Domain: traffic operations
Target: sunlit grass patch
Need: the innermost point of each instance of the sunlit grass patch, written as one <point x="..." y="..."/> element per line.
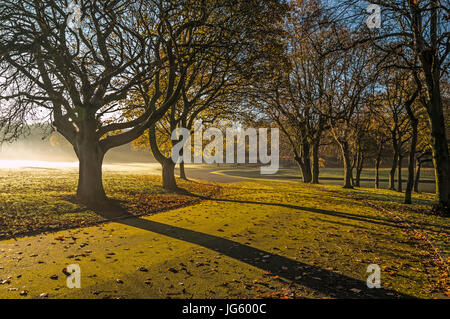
<point x="38" y="200"/>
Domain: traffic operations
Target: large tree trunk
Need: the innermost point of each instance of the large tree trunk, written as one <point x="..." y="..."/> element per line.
<point x="412" y="156"/>
<point x="315" y="164"/>
<point x="441" y="159"/>
<point x="432" y="69"/>
<point x="168" y="174"/>
<point x="399" y="174"/>
<point x="306" y="174"/>
<point x="441" y="163"/>
<point x="393" y="169"/>
<point x="90" y="155"/>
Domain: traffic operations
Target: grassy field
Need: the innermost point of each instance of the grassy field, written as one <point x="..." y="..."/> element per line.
<point x="334" y="176"/>
<point x="36" y="200"/>
<point x="255" y="239"/>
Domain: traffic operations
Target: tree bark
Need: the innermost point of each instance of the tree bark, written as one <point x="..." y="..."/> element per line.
<point x="441" y="159"/>
<point x="315" y="162"/>
<point x="182" y="171"/>
<point x="412" y="156"/>
<point x="412" y="150"/>
<point x="303" y="169"/>
<point x="168" y="166"/>
<point x="417" y="178"/>
<point x="394" y="168"/>
<point x="306" y="158"/>
<point x="377" y="166"/>
<point x="431" y="67"/>
<point x="90" y="155"/>
<point x="358" y="176"/>
<point x="399" y="174"/>
<point x="359" y="167"/>
<point x="348" y="172"/>
<point x="168" y="174"/>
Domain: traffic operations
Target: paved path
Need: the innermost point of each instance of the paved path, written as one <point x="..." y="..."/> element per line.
<point x="209" y="174"/>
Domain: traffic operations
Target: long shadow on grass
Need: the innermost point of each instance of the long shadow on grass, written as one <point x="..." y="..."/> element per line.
<point x="367" y="219"/>
<point x="321" y="280"/>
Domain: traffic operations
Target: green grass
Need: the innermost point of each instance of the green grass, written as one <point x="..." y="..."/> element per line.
<point x="37" y="200"/>
<point x="254" y="240"/>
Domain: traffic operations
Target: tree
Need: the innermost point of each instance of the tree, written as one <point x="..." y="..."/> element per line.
<point x="126" y="58"/>
<point x="234" y="38"/>
<point x="413" y="30"/>
<point x="204" y="95"/>
<point x="362" y="144"/>
<point x="380" y="137"/>
<point x="291" y="90"/>
<point x="393" y="114"/>
<point x="414" y="120"/>
<point x="353" y="87"/>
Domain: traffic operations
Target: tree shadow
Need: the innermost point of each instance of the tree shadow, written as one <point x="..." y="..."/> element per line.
<point x="367" y="219"/>
<point x="321" y="280"/>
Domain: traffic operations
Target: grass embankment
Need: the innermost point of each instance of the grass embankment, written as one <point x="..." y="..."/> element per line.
<point x="255" y="240"/>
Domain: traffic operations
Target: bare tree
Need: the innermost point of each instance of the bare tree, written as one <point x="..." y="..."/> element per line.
<point x="413" y="30"/>
<point x="83" y="77"/>
<point x="217" y="78"/>
<point x="294" y="88"/>
<point x="353" y="87"/>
